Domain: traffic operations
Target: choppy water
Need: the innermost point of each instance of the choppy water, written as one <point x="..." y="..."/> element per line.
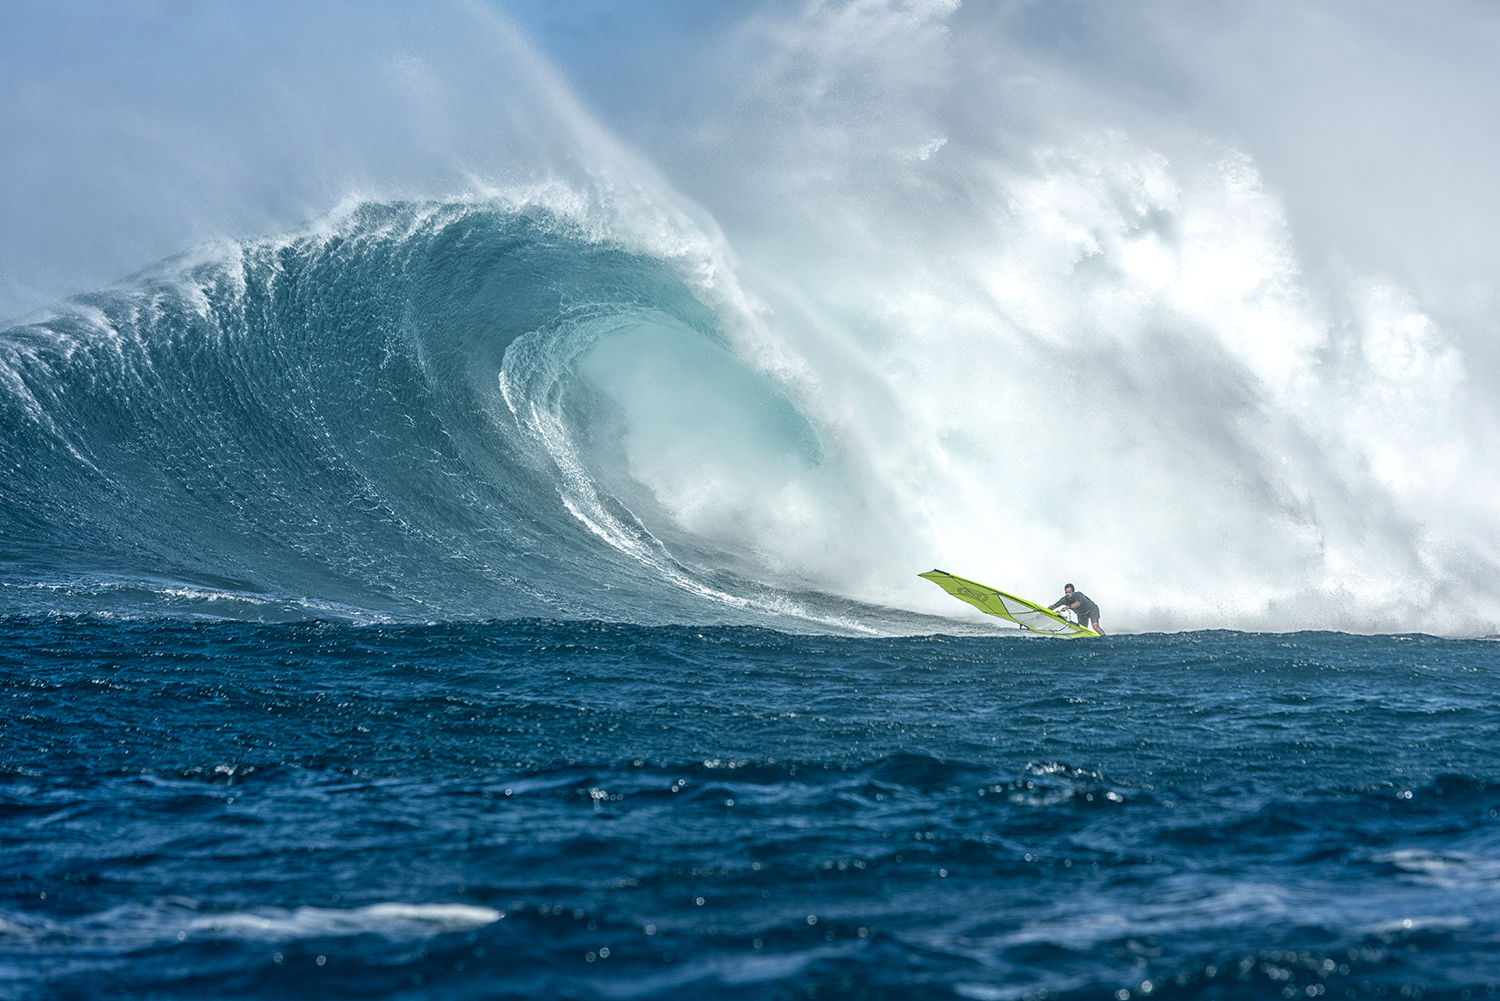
<point x="535" y="808"/>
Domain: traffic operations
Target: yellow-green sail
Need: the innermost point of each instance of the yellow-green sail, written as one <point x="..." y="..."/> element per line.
<point x="1023" y="613"/>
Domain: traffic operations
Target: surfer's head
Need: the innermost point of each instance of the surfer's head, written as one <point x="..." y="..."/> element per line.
<point x="1067" y="589"/>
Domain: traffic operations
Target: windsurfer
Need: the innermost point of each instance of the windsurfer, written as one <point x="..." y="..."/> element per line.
<point x="1080" y="603"/>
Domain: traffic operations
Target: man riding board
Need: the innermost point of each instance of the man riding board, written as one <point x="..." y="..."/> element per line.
<point x="1082" y="605"/>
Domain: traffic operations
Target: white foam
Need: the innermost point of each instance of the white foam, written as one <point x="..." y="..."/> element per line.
<point x="392" y="920"/>
<point x="177" y="919"/>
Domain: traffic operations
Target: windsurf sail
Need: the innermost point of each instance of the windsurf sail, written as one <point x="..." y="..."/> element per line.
<point x="1026" y="614"/>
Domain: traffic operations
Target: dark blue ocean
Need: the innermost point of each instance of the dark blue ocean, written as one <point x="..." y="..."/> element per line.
<point x="540" y="808"/>
<point x="344" y="654"/>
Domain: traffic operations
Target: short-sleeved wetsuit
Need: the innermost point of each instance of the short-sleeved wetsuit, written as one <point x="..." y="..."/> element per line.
<point x="1087" y="611"/>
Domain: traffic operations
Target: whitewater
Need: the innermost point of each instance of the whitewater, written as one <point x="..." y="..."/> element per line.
<point x="463" y="481"/>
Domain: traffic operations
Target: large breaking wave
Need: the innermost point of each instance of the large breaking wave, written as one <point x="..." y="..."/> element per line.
<point x="412" y="409"/>
<point x="960" y="323"/>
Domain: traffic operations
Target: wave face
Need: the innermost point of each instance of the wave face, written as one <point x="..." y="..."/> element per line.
<point x="406" y="412"/>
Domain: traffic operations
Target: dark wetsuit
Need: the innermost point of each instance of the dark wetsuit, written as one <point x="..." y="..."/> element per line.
<point x="1087" y="611"/>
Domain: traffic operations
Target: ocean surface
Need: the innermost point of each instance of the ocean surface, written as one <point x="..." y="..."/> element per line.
<point x="580" y="809"/>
